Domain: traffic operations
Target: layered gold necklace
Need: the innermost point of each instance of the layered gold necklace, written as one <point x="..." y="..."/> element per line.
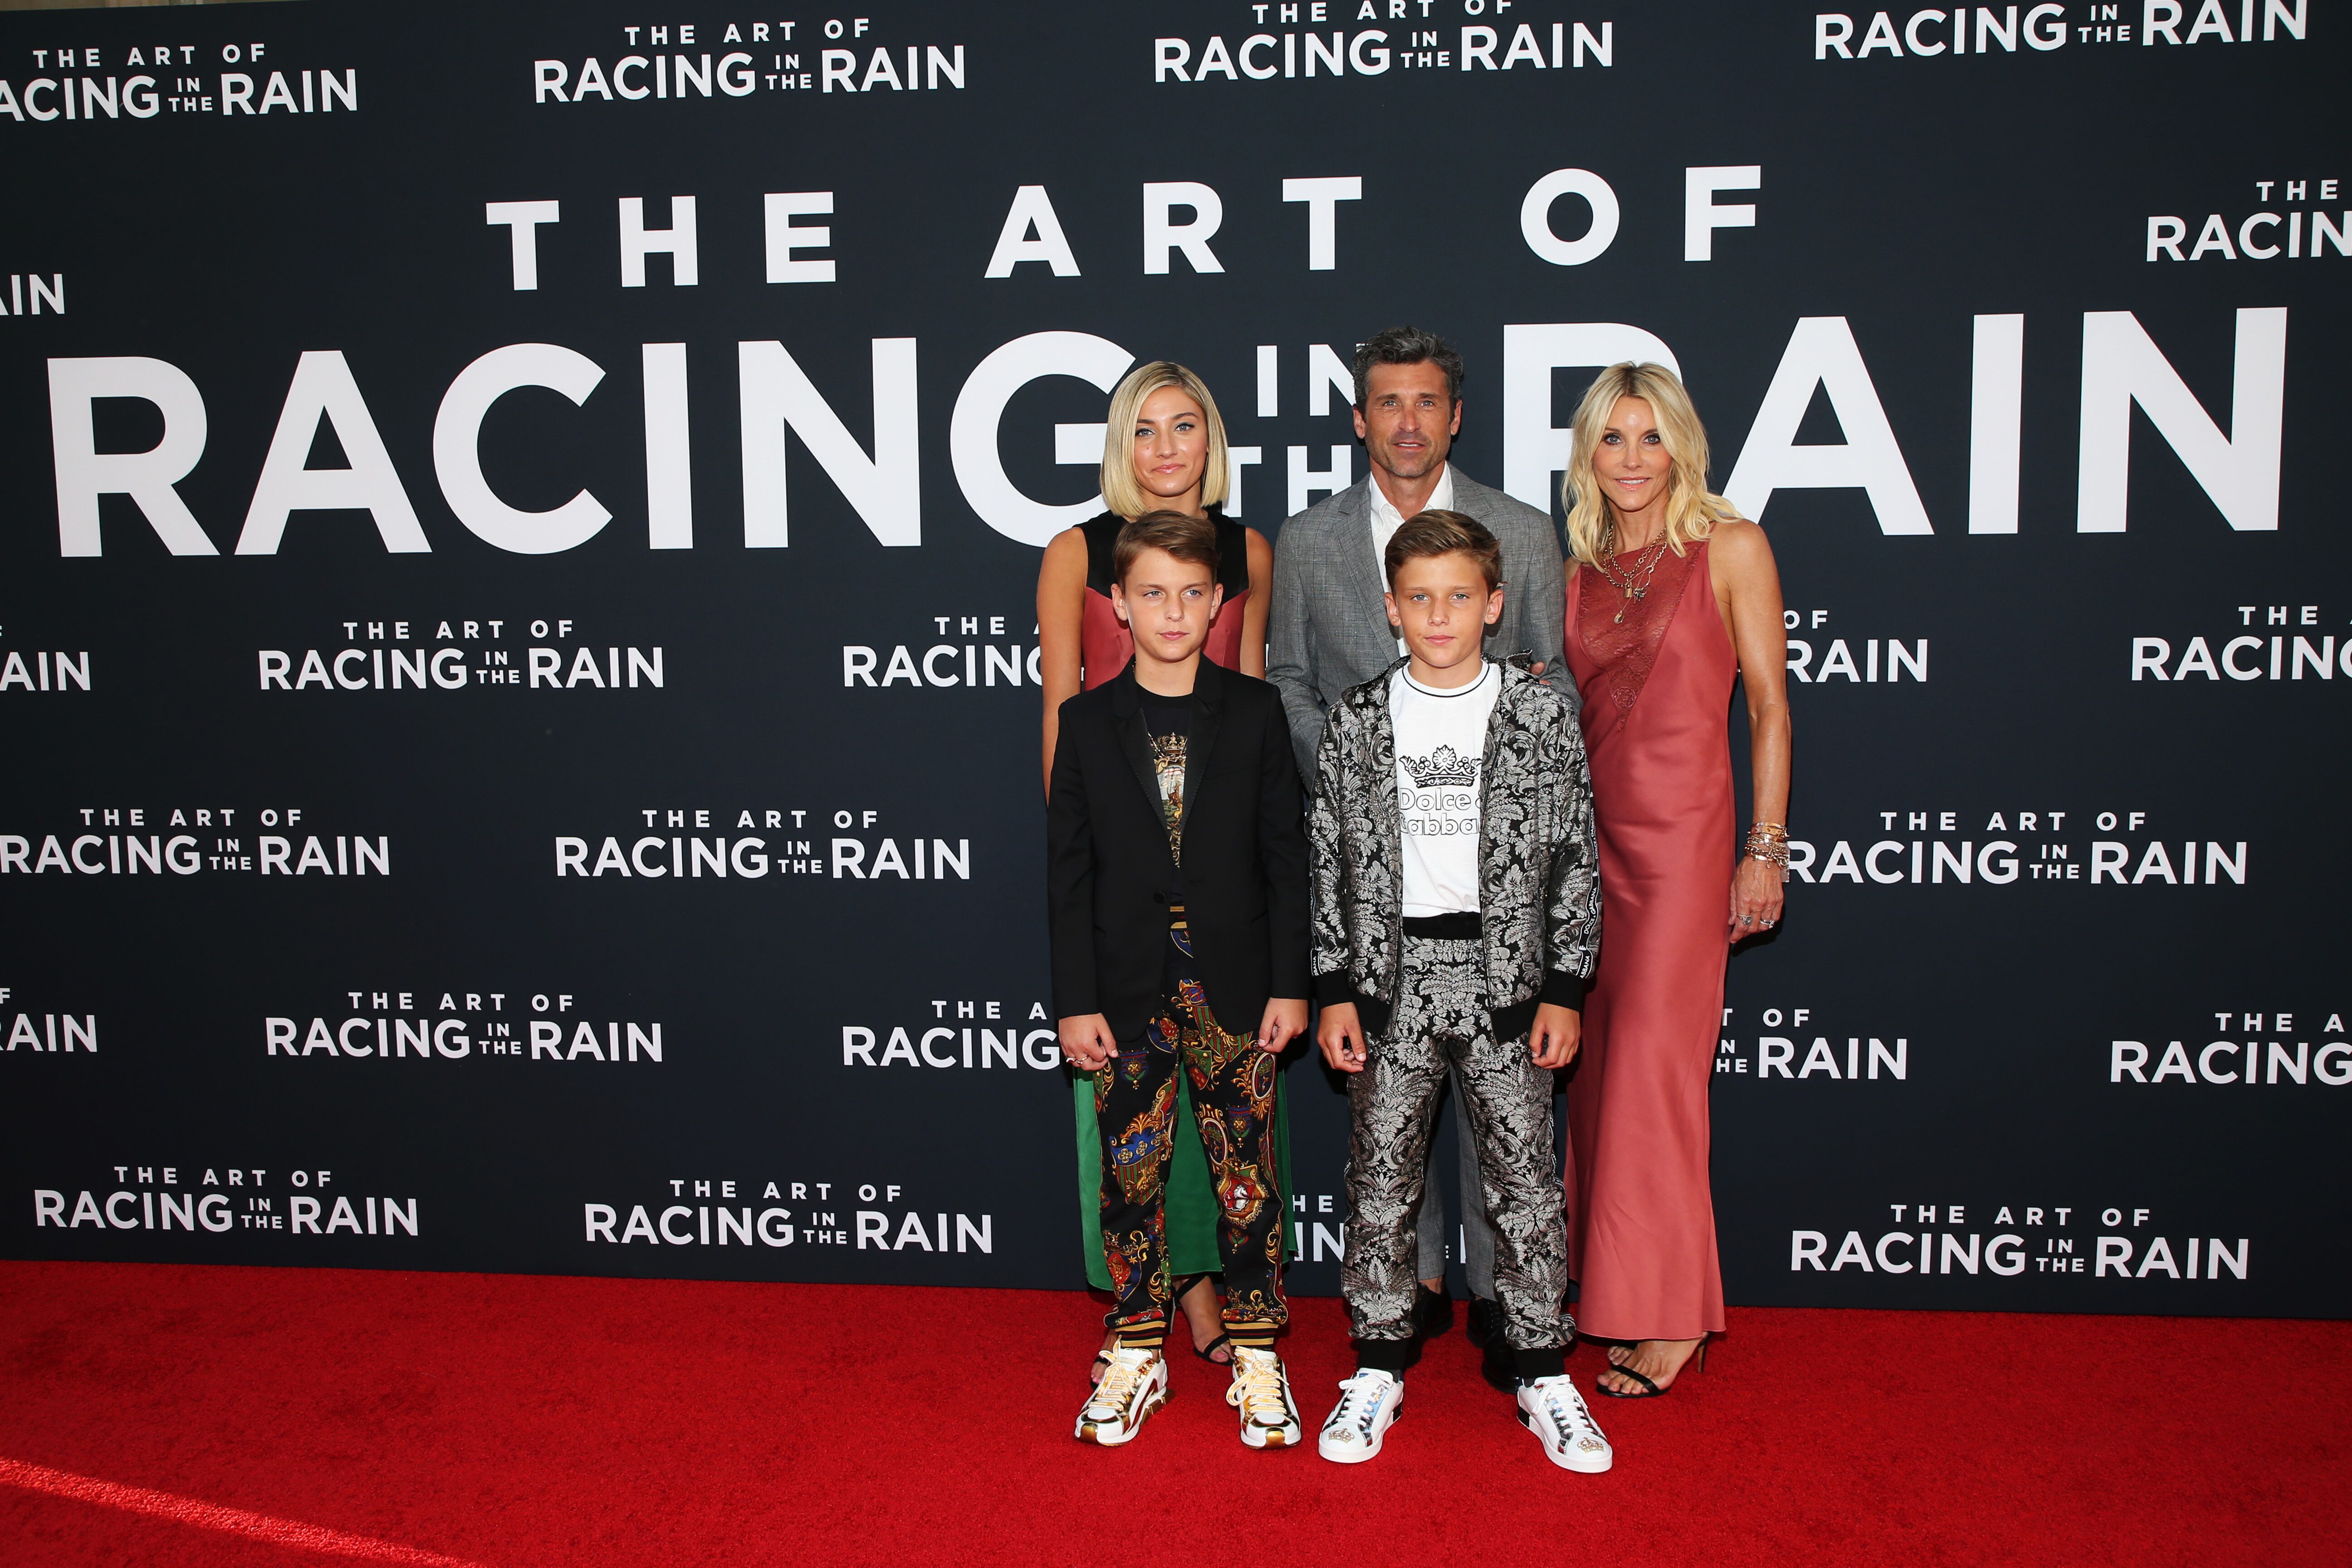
<point x="1635" y="584"/>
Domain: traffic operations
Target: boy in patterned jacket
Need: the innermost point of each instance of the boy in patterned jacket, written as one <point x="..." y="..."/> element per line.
<point x="1456" y="920"/>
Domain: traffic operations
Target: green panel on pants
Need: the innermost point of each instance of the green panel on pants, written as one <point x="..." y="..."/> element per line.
<point x="1191" y="1201"/>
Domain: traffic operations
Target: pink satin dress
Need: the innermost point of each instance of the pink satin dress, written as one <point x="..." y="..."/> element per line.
<point x="1656" y="717"/>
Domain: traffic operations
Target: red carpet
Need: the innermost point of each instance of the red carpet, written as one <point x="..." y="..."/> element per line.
<point x="281" y="1416"/>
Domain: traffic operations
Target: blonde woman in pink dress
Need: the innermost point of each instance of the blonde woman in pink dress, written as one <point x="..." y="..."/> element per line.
<point x="1671" y="598"/>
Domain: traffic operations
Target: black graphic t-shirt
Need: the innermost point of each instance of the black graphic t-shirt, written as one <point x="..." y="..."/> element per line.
<point x="1169" y="721"/>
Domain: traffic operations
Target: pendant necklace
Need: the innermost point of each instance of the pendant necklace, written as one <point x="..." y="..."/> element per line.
<point x="1629" y="587"/>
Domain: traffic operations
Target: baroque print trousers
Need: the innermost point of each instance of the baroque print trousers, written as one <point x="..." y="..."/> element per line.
<point x="1232" y="1084"/>
<point x="1440" y="1021"/>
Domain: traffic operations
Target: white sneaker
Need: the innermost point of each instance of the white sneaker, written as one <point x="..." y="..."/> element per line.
<point x="1369" y="1404"/>
<point x="1552" y="1409"/>
<point x="1133" y="1385"/>
<point x="1261" y="1392"/>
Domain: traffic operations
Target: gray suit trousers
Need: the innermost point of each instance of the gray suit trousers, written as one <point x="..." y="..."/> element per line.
<point x="1477" y="1235"/>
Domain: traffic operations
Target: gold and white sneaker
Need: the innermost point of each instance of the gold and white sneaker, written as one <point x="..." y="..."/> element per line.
<point x="1552" y="1409"/>
<point x="1261" y="1392"/>
<point x="1133" y="1385"/>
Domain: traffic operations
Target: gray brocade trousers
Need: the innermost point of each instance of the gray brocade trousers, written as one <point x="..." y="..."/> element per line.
<point x="1440" y="1021"/>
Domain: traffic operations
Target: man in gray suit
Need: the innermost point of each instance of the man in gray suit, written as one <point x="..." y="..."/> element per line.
<point x="1329" y="630"/>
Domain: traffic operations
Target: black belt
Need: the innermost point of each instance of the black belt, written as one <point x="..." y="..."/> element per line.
<point x="1459" y="926"/>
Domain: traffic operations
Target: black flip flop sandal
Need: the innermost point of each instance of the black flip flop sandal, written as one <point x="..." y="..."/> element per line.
<point x="1208" y="1353"/>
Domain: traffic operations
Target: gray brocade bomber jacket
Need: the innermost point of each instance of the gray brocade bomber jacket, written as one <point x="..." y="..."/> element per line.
<point x="1538" y="869"/>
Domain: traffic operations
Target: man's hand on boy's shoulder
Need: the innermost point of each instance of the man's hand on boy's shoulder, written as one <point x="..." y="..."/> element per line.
<point x="1340" y="1034"/>
<point x="1557" y="1033"/>
<point x="1284" y="1021"/>
<point x="1087" y="1041"/>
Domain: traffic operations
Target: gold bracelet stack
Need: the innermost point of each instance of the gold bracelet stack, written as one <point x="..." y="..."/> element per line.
<point x="1768" y="842"/>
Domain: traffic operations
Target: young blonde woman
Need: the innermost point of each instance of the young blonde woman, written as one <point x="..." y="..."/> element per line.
<point x="1672" y="598"/>
<point x="1163" y="451"/>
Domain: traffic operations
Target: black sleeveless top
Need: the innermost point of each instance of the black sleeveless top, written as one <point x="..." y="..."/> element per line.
<point x="1233" y="551"/>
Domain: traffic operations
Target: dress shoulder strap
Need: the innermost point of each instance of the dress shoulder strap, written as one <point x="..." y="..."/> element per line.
<point x="1233" y="554"/>
<point x="1101" y="534"/>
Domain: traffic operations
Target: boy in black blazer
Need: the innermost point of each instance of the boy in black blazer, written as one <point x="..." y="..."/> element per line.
<point x="1176" y="893"/>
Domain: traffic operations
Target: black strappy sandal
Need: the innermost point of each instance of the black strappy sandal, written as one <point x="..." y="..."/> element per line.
<point x="1650" y="1390"/>
<point x="1207" y="1352"/>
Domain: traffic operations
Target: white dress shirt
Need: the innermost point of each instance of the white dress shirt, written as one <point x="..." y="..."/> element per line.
<point x="1386" y="520"/>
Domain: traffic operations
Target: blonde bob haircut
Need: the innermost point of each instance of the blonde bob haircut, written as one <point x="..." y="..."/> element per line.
<point x="1689" y="508"/>
<point x="1123" y="493"/>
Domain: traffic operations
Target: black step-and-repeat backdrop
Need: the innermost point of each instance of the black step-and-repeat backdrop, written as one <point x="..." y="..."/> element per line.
<point x="517" y="650"/>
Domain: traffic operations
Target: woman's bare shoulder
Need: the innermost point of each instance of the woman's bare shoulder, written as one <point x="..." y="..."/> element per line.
<point x="1736" y="534"/>
<point x="1738" y="543"/>
<point x="1065" y="560"/>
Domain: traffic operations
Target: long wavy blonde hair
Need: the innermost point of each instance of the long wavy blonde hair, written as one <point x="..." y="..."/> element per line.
<point x="1690" y="509"/>
<point x="1123" y="493"/>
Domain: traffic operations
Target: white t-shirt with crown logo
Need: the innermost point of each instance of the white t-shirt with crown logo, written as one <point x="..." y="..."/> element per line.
<point x="1440" y="746"/>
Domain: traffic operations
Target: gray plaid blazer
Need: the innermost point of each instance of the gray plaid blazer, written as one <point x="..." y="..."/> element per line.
<point x="1327" y="628"/>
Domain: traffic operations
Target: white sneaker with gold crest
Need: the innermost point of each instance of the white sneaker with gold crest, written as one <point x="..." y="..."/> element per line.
<point x="1552" y="1409"/>
<point x="1369" y="1404"/>
<point x="1133" y="1385"/>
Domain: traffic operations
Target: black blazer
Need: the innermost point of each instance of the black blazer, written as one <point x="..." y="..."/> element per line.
<point x="1108" y="869"/>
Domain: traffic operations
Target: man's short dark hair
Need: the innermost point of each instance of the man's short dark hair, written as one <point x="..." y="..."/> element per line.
<point x="1434" y="533"/>
<point x="1407" y="345"/>
<point x="1190" y="539"/>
